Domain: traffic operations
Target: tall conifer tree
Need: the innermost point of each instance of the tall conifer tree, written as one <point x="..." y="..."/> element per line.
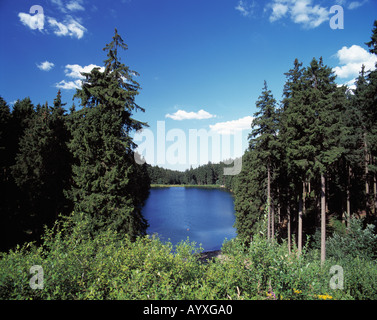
<point x="258" y="169"/>
<point x="298" y="152"/>
<point x="372" y="120"/>
<point x="42" y="167"/>
<point x="325" y="129"/>
<point x="264" y="137"/>
<point x="106" y="175"/>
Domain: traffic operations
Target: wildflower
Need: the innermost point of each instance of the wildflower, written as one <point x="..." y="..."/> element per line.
<point x="297" y="291"/>
<point x="271" y="294"/>
<point x="324" y="296"/>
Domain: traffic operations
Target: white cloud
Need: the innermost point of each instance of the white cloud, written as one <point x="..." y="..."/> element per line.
<point x="246" y="9"/>
<point x="45" y="66"/>
<point x="60" y="4"/>
<point x="32" y="21"/>
<point x="300" y="11"/>
<point x="60" y="28"/>
<point x="351" y="84"/>
<point x="74" y="71"/>
<point x="356" y="4"/>
<point x="75" y="6"/>
<point x="184" y="115"/>
<point x="306" y="12"/>
<point x="65" y="6"/>
<point x="230" y="127"/>
<point x="354" y="53"/>
<point x="351" y="59"/>
<point x="311" y="17"/>
<point x="279" y="10"/>
<point x="69" y="85"/>
<point x="69" y="27"/>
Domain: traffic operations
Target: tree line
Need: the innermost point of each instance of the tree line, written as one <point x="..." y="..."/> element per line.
<point x="311" y="157"/>
<point x="207" y="174"/>
<point x="54" y="162"/>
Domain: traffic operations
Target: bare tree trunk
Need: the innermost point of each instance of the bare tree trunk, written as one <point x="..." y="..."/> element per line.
<point x="299" y="241"/>
<point x="279" y="214"/>
<point x="303" y="198"/>
<point x="327" y="192"/>
<point x="279" y="209"/>
<point x="374" y="188"/>
<point x="268" y="201"/>
<point x="366" y="162"/>
<point x="289" y="228"/>
<point x="348" y="196"/>
<point x="375" y="193"/>
<point x="272" y="221"/>
<point x="323" y="218"/>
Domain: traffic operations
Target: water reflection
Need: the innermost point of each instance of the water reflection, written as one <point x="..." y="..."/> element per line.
<point x="206" y="216"/>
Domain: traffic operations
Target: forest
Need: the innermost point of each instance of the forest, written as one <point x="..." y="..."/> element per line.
<point x="305" y="200"/>
<point x="54" y="162"/>
<point x="208" y="174"/>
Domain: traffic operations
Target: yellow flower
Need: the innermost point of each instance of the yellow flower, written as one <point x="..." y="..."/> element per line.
<point x="324" y="296"/>
<point x="297" y="291"/>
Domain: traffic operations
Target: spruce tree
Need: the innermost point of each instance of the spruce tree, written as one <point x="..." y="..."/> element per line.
<point x="250" y="198"/>
<point x="320" y="92"/>
<point x="347" y="175"/>
<point x="371" y="93"/>
<point x="264" y="137"/>
<point x="310" y="131"/>
<point x="297" y="155"/>
<point x="7" y="226"/>
<point x="105" y="175"/>
<point x="258" y="169"/>
<point x="361" y="147"/>
<point x="5" y="117"/>
<point x="42" y="167"/>
<point x="22" y="115"/>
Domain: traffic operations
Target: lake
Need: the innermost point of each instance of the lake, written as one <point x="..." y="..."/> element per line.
<point x="206" y="216"/>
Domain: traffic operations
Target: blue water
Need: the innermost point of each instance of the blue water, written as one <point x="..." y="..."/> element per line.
<point x="206" y="216"/>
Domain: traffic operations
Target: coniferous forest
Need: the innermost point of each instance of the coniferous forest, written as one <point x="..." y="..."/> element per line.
<point x="305" y="200"/>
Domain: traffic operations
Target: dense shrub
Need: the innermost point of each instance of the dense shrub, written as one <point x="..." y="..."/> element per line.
<point x="76" y="266"/>
<point x="103" y="267"/>
<point x="355" y="242"/>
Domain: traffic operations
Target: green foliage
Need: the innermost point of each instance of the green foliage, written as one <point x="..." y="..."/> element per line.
<point x="322" y="136"/>
<point x="257" y="180"/>
<point x="107" y="266"/>
<point x="250" y="197"/>
<point x="108" y="185"/>
<point x="208" y="174"/>
<point x="355" y="242"/>
<point x="52" y="162"/>
<point x="359" y="278"/>
<point x="42" y="165"/>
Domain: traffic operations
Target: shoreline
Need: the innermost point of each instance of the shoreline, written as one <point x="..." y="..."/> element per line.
<point x="204" y="186"/>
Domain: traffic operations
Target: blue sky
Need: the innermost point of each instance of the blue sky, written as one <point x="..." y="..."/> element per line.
<point x="202" y="63"/>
